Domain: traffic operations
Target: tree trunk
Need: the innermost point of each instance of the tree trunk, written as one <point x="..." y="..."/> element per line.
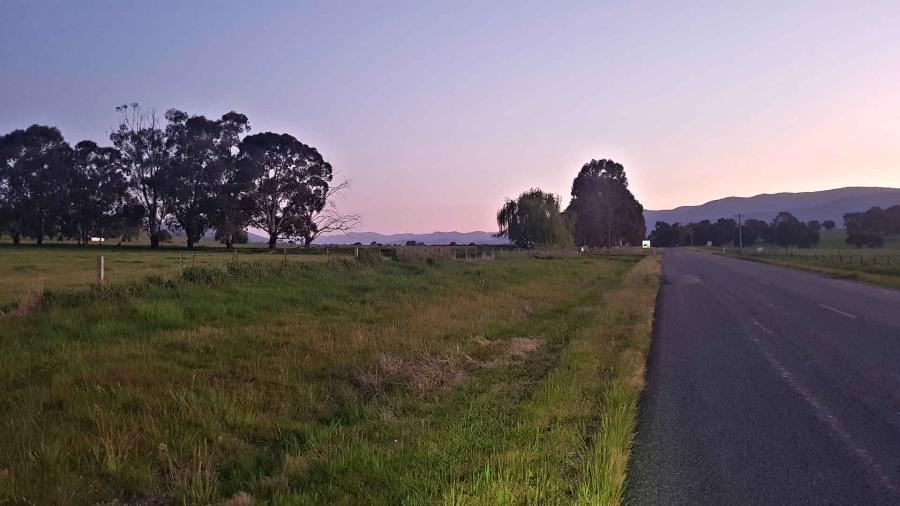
<point x="154" y="241"/>
<point x="273" y="241"/>
<point x="17" y="238"/>
<point x="40" y="239"/>
<point x="190" y="242"/>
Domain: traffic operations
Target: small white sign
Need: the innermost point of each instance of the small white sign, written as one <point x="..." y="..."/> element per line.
<point x="645" y="244"/>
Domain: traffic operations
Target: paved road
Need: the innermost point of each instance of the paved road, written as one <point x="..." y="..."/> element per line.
<point x="768" y="385"/>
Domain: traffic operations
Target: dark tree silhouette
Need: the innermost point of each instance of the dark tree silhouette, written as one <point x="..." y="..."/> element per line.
<point x="13" y="197"/>
<point x="754" y="230"/>
<point x="144" y="150"/>
<point x="533" y="220"/>
<point x="35" y="164"/>
<point x="198" y="174"/>
<point x="291" y="182"/>
<point x="786" y="230"/>
<point x="870" y="228"/>
<point x="97" y="194"/>
<point x="828" y="225"/>
<point x="604" y="211"/>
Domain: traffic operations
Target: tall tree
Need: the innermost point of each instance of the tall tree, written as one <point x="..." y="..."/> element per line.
<point x="142" y="144"/>
<point x="754" y="230"/>
<point x="234" y="204"/>
<point x="99" y="203"/>
<point x="291" y="182"/>
<point x="534" y="220"/>
<point x="605" y="212"/>
<point x="786" y="230"/>
<point x="34" y="164"/>
<point x="12" y="192"/>
<point x="198" y="168"/>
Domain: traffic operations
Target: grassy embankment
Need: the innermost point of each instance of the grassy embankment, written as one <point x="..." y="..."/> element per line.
<point x="506" y="381"/>
<point x="833" y="257"/>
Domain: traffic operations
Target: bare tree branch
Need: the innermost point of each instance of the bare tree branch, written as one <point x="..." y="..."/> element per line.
<point x="329" y="219"/>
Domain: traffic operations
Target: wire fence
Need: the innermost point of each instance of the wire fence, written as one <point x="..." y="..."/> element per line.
<point x="873" y="260"/>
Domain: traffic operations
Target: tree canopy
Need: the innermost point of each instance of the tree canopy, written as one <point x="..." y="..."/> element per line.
<point x="191" y="174"/>
<point x="534" y="220"/>
<point x="290" y="181"/>
<point x="785" y="230"/>
<point x="604" y="211"/>
<point x="870" y="228"/>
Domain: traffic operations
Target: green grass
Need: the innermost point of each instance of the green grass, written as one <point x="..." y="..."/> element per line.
<point x="837" y="240"/>
<point x="460" y="382"/>
<point x="57" y="267"/>
<point x="879" y="266"/>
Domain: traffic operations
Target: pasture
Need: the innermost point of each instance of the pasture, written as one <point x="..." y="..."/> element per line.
<point x="65" y="267"/>
<point x="834" y="257"/>
<point x="324" y="381"/>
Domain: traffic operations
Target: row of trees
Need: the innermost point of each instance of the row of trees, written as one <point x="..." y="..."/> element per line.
<point x="785" y="230"/>
<point x="602" y="213"/>
<point x="192" y="174"/>
<point x="870" y="228"/>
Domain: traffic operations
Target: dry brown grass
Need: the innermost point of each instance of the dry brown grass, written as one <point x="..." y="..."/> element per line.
<point x="423" y="376"/>
<point x="518" y="347"/>
<point x="29" y="302"/>
<point x="240" y="499"/>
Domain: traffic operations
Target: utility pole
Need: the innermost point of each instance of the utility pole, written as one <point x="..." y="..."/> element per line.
<point x="740" y="233"/>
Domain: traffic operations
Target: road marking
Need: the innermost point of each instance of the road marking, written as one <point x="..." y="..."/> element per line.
<point x="820" y="411"/>
<point x="765" y="329"/>
<point x="838" y="311"/>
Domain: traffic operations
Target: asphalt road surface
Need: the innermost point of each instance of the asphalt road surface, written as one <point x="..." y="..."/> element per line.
<point x="768" y="385"/>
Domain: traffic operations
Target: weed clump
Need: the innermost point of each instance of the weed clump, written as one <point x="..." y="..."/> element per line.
<point x="29" y="302"/>
<point x="204" y="275"/>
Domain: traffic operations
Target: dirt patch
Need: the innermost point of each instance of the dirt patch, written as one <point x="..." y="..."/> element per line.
<point x="423" y="376"/>
<point x="518" y="347"/>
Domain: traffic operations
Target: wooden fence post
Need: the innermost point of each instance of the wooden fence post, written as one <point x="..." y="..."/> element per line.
<point x="101" y="274"/>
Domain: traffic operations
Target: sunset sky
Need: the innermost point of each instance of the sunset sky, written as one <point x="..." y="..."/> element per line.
<point x="437" y="111"/>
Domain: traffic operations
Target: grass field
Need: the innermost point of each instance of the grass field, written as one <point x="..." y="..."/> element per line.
<point x="833" y="257"/>
<point x="25" y="269"/>
<point x="507" y="381"/>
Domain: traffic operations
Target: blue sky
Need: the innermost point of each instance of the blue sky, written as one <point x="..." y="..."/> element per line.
<point x="438" y="110"/>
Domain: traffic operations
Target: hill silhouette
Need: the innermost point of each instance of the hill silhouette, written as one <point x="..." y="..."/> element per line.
<point x="817" y="205"/>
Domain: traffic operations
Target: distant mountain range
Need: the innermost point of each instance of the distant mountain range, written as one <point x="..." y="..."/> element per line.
<point x="820" y="205"/>
<point x="432" y="238"/>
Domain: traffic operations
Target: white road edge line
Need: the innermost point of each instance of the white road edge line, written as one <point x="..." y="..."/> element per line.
<point x="820" y="411"/>
<point x="838" y="311"/>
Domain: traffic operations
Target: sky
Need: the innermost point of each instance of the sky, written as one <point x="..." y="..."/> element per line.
<point x="437" y="111"/>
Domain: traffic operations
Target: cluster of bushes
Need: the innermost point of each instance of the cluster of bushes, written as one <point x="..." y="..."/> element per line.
<point x="191" y="174"/>
<point x="785" y="231"/>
